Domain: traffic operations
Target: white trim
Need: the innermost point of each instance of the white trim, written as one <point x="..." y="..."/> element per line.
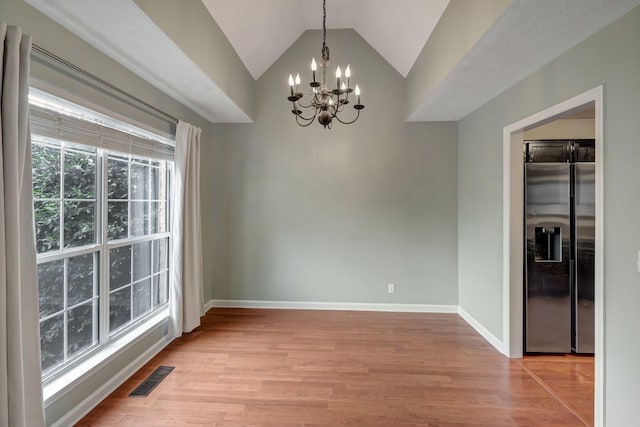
<point x="513" y="231"/>
<point x="484" y="332"/>
<point x="208" y="306"/>
<point x="84" y="407"/>
<point x="351" y="306"/>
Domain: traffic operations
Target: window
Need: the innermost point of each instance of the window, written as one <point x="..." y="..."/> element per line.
<point x="102" y="230"/>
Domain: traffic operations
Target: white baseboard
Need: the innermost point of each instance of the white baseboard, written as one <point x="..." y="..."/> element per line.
<point x="484" y="332"/>
<point x="84" y="407"/>
<point x="208" y="305"/>
<point x="302" y="305"/>
<point x="401" y="308"/>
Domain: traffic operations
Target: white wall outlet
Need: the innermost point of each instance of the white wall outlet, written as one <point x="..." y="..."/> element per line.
<point x="391" y="288"/>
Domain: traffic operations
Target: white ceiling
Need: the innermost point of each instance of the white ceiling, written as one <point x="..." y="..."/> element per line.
<point x="528" y="35"/>
<point x="260" y="31"/>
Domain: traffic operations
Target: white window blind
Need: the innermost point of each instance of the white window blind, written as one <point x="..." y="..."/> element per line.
<point x="77" y="124"/>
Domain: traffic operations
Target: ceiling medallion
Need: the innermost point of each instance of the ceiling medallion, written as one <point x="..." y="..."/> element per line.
<point x="325" y="104"/>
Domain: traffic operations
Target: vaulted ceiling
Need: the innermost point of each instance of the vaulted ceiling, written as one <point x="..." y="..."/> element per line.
<point x="260" y="31"/>
<point x="252" y="34"/>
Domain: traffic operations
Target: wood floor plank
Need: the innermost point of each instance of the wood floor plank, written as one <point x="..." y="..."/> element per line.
<point x="250" y="367"/>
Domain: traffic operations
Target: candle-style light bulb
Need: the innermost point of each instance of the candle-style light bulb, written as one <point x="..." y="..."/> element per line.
<point x="338" y="75"/>
<point x="344" y="86"/>
<point x="358" y="93"/>
<point x="297" y="80"/>
<point x="291" y="83"/>
<point x="313" y="69"/>
<point x="347" y="74"/>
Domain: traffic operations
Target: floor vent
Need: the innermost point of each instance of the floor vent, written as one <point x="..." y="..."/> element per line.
<point x="152" y="381"/>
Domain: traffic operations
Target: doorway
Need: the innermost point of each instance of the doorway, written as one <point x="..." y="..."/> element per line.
<point x="513" y="232"/>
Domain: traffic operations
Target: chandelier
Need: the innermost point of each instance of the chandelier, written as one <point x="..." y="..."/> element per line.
<point x="325" y="104"/>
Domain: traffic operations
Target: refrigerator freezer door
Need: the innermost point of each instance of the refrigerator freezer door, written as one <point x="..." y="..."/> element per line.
<point x="585" y="242"/>
<point x="548" y="291"/>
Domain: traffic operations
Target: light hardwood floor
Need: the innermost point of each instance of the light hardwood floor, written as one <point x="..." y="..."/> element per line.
<point x="246" y="367"/>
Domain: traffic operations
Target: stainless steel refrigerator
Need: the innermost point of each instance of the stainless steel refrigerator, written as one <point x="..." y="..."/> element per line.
<point x="560" y="237"/>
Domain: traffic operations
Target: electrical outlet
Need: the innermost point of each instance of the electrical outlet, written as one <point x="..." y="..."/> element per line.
<point x="391" y="288"/>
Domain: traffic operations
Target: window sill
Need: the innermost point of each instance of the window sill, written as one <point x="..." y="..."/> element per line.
<point x="63" y="383"/>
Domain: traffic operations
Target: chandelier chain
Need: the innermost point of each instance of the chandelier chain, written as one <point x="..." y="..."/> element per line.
<point x="324" y="22"/>
<point x="325" y="48"/>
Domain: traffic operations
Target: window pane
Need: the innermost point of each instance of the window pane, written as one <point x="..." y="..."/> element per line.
<point x="118" y="179"/>
<point x="158" y="217"/>
<point x="120" y="271"/>
<point x="79" y="175"/>
<point x="160" y="289"/>
<point x="141" y="260"/>
<point x="80" y="323"/>
<point x="141" y="298"/>
<point x="80" y="279"/>
<point x="119" y="308"/>
<point x="52" y="342"/>
<point x="139" y="218"/>
<point x="160" y="256"/>
<point x="139" y="182"/>
<point x="45" y="172"/>
<point x="79" y="224"/>
<point x="155" y="184"/>
<point x="159" y="183"/>
<point x="117" y="220"/>
<point x="47" y="219"/>
<point x="51" y="287"/>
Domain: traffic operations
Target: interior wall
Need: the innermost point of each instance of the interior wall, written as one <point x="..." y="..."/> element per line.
<point x="591" y="63"/>
<point x="51" y="36"/>
<point x="563" y="129"/>
<point x="335" y="215"/>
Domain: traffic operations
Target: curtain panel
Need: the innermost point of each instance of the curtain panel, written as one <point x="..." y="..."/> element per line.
<point x="186" y="298"/>
<point x="20" y="378"/>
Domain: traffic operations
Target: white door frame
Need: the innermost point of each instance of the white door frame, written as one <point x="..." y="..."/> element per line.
<point x="513" y="233"/>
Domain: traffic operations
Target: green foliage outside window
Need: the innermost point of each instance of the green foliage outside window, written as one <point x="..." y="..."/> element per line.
<point x="66" y="184"/>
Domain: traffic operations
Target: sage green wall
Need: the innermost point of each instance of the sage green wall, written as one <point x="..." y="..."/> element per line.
<point x="51" y="36"/>
<point x="334" y="215"/>
<point x="611" y="57"/>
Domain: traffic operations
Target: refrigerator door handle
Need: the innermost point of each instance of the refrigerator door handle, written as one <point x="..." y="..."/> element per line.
<point x="573" y="292"/>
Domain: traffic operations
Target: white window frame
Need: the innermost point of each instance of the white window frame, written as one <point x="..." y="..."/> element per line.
<point x="61" y="376"/>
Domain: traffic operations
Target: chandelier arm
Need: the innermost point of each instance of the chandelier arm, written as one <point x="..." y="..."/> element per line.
<point x="348" y="123"/>
<point x="308" y="121"/>
<point x="312" y="118"/>
<point x="300" y="104"/>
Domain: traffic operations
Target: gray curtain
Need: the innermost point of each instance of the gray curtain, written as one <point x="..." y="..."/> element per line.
<point x="20" y="378"/>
